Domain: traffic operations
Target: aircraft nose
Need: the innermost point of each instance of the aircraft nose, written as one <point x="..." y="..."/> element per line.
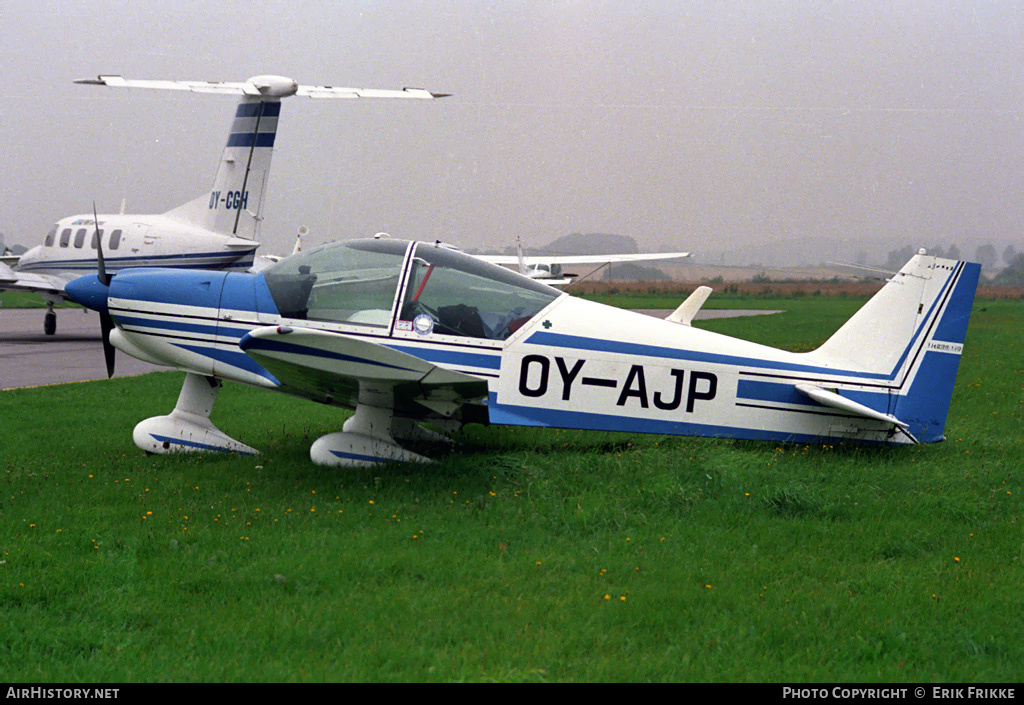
<point x="88" y="291"/>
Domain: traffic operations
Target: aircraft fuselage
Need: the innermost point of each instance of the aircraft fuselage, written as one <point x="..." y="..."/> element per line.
<point x="69" y="249"/>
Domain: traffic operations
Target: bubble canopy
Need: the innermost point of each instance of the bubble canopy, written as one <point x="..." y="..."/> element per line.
<point x="401" y="285"/>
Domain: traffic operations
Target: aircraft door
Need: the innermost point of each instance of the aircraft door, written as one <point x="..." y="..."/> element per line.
<point x="238" y="305"/>
<point x="136" y="239"/>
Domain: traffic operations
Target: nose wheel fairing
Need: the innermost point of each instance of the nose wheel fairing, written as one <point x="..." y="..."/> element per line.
<point x="188" y="428"/>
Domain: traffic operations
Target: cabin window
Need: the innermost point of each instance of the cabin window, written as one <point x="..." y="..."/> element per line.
<point x="50" y="237"/>
<point x="80" y="238"/>
<point x="351" y="282"/>
<point x="115" y="239"/>
<point x="465" y="296"/>
<point x="96" y="237"/>
<point x="65" y="237"/>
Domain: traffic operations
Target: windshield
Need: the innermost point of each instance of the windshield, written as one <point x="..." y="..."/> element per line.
<point x="351" y="282"/>
<point x="455" y="294"/>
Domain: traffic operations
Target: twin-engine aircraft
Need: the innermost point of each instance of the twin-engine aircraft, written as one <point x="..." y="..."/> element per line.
<point x="216" y="231"/>
<point x="410" y="333"/>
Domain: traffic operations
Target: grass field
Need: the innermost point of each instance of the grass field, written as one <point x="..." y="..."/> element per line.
<point x="525" y="555"/>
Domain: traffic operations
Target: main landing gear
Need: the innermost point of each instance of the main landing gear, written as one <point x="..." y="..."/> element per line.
<point x="50" y="320"/>
<point x="367" y="439"/>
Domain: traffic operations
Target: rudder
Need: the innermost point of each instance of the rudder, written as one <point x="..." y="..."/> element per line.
<point x="927" y="389"/>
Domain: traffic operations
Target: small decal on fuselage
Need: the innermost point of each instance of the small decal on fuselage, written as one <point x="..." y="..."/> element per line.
<point x="940" y="346"/>
<point x="423" y="324"/>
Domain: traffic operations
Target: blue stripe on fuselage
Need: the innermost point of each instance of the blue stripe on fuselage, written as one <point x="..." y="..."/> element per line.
<point x="181" y="326"/>
<point x="451" y="357"/>
<point x="249" y="343"/>
<point x="232" y="358"/>
<point x="560" y="418"/>
<point x="197" y="260"/>
<point x="643" y="350"/>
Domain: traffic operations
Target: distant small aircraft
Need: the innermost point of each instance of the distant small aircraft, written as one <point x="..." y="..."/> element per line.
<point x="408" y="333"/>
<point x="215" y="231"/>
<point x="549" y="268"/>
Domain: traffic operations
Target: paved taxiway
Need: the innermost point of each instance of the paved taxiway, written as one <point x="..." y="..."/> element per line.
<point x="28" y="358"/>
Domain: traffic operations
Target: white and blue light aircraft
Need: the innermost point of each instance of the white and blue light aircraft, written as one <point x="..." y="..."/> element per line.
<point x="217" y="230"/>
<point x="410" y="332"/>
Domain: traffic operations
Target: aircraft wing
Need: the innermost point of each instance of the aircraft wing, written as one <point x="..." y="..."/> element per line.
<point x="334" y="367"/>
<point x="24" y="281"/>
<point x="583" y="259"/>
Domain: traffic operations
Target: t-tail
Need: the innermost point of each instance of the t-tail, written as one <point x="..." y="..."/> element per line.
<point x="234" y="204"/>
<point x="908" y="338"/>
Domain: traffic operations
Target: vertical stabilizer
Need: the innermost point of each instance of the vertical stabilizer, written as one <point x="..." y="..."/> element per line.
<point x="909" y="338"/>
<point x="234" y="204"/>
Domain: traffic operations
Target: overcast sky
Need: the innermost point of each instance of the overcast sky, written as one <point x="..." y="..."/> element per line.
<point x="709" y="126"/>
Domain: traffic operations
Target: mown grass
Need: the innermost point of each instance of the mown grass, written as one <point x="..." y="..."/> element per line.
<point x="23" y="299"/>
<point x="523" y="555"/>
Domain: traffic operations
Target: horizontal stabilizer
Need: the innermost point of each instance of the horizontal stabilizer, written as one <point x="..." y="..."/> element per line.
<point x="836" y="401"/>
<point x="688" y="309"/>
<point x="267" y="86"/>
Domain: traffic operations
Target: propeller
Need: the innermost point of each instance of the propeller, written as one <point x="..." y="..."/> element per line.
<point x="106" y="322"/>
